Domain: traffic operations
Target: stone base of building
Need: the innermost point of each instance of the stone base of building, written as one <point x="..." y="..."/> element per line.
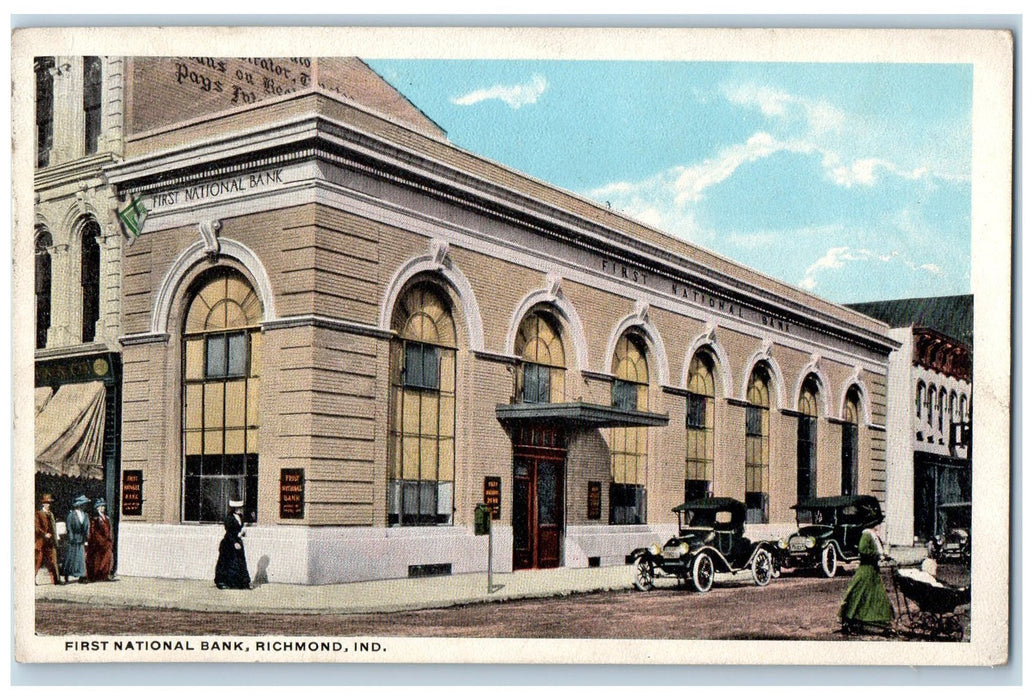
<point x="312" y="555"/>
<point x="324" y="555"/>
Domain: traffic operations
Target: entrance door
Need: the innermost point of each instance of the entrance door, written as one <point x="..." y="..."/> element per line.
<point x="537" y="511"/>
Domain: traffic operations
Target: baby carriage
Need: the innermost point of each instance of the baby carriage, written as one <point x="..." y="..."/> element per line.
<point x="927" y="608"/>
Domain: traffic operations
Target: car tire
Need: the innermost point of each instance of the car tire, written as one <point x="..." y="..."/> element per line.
<point x="762" y="567"/>
<point x="643" y="574"/>
<point x="702" y="572"/>
<point x="829" y="561"/>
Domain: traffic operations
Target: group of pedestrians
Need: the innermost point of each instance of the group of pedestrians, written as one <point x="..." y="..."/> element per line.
<point x="88" y="554"/>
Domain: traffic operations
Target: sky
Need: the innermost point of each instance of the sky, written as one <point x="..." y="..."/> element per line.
<point x="851" y="181"/>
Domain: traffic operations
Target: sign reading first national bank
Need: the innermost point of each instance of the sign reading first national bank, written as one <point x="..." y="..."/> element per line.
<point x="207" y="192"/>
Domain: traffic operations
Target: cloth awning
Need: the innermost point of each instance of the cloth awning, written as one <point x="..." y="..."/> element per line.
<point x="70" y="430"/>
<point x="577" y="414"/>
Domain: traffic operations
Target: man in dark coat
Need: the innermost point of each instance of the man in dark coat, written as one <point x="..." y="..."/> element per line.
<point x="231" y="568"/>
<point x="99" y="554"/>
<point x="78" y="524"/>
<point x="46" y="539"/>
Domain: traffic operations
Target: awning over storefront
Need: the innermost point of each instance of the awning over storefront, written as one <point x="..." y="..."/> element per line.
<point x="70" y="430"/>
<point x="577" y="414"/>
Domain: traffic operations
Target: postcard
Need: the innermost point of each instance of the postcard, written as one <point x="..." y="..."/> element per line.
<point x="527" y="345"/>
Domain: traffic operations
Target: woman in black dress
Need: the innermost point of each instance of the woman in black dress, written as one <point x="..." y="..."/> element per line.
<point x="231" y="569"/>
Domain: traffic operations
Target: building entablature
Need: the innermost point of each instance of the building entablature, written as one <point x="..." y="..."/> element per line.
<point x="939" y="353"/>
<point x="180" y="179"/>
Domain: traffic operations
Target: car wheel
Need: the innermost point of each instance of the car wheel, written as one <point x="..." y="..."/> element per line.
<point x="643" y="574"/>
<point x="762" y="567"/>
<point x="702" y="572"/>
<point x="829" y="560"/>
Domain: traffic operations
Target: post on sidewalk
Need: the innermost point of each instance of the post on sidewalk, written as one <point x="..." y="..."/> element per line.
<point x="482" y="526"/>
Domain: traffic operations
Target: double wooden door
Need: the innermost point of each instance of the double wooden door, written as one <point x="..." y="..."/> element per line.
<point x="537" y="511"/>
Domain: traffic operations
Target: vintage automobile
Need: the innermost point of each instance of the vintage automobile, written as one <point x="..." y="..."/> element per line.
<point x="955" y="544"/>
<point x="828" y="532"/>
<point x="710" y="541"/>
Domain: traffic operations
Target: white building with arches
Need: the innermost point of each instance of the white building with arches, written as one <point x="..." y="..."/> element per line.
<point x="362" y="331"/>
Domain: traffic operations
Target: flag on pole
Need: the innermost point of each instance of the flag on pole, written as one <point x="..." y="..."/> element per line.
<point x="132" y="217"/>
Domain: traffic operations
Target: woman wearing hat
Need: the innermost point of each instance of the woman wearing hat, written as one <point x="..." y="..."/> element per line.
<point x="231" y="568"/>
<point x="99" y="552"/>
<point x="866" y="607"/>
<point x="74" y="565"/>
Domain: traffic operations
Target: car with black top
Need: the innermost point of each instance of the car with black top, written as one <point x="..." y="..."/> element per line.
<point x="710" y="541"/>
<point x="828" y="532"/>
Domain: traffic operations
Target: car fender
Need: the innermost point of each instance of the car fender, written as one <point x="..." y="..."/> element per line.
<point x="768" y="547"/>
<point x="641" y="552"/>
<point x="720" y="563"/>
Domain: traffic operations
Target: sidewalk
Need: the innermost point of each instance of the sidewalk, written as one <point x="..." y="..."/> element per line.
<point x="349" y="598"/>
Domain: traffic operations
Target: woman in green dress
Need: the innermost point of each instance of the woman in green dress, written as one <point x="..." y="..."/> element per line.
<point x="866" y="606"/>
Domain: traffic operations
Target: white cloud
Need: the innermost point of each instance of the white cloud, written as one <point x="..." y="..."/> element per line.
<point x="837" y="257"/>
<point x="516" y="96"/>
<point x="819" y="115"/>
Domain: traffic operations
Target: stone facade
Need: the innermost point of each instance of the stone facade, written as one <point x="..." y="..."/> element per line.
<point x="331" y="212"/>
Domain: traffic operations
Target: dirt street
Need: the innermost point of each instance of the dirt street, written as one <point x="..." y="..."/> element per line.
<point x="794" y="607"/>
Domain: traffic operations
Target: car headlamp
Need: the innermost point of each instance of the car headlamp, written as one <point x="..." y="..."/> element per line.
<point x="683" y="548"/>
<point x="782" y="544"/>
<point x="654" y="549"/>
<point x="811" y="541"/>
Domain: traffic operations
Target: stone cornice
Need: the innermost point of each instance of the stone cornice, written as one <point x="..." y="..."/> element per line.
<point x="314" y="135"/>
<point x="71" y="171"/>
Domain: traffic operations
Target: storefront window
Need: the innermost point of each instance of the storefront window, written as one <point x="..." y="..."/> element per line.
<point x="849" y="453"/>
<point x="628" y="446"/>
<point x="807" y="440"/>
<point x="423" y="370"/>
<point x="221" y="351"/>
<point x="757" y="447"/>
<point x="538" y="344"/>
<point x="699" y="427"/>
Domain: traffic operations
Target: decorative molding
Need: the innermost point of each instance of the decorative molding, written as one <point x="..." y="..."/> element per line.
<point x="196" y="254"/>
<point x="554" y="283"/>
<point x="452" y="275"/>
<point x="639" y="318"/>
<point x="675" y="390"/>
<point x="489" y="356"/>
<point x="723" y="370"/>
<point x="438" y="251"/>
<point x="328" y="323"/>
<point x="575" y="332"/>
<point x="143" y="339"/>
<point x="598" y="376"/>
<point x="209" y="230"/>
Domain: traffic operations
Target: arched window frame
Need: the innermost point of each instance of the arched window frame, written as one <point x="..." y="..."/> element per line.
<point x="699" y="426"/>
<point x="89" y="278"/>
<point x="930" y="399"/>
<point x="539" y="344"/>
<point x="629" y="454"/>
<point x="43" y="285"/>
<point x="941" y="405"/>
<point x="421" y="476"/>
<point x="919" y="398"/>
<point x="849" y="444"/>
<point x="807" y="439"/>
<point x="758" y="458"/>
<point x="222" y="349"/>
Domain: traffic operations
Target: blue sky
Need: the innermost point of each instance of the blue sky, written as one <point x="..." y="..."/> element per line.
<point x="852" y="181"/>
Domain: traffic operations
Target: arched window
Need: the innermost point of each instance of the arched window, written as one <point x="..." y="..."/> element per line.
<point x="43" y="285"/>
<point x="919" y="396"/>
<point x="757" y="448"/>
<point x="539" y="345"/>
<point x="849" y="449"/>
<point x="930" y="400"/>
<point x="963" y="409"/>
<point x="90" y="279"/>
<point x="44" y="109"/>
<point x="807" y="440"/>
<point x="421" y="477"/>
<point x="91" y="99"/>
<point x="222" y="347"/>
<point x="699" y="427"/>
<point x="941" y="404"/>
<point x="628" y="452"/>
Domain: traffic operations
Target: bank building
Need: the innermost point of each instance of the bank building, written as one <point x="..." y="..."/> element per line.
<point x="331" y="312"/>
